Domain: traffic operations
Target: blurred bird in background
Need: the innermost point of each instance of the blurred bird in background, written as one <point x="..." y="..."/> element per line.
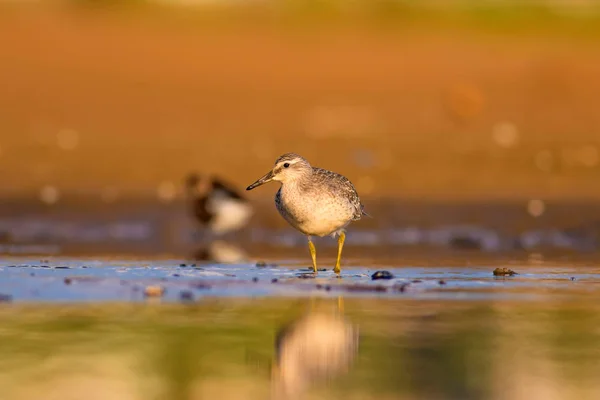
<point x="218" y="209"/>
<point x="216" y="204"/>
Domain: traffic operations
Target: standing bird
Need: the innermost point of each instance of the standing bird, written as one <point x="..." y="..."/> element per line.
<point x="315" y="201"/>
<point x="217" y="205"/>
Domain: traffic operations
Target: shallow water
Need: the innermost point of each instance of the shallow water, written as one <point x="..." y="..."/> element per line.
<point x="232" y="349"/>
<point x="75" y="280"/>
<point x="73" y="328"/>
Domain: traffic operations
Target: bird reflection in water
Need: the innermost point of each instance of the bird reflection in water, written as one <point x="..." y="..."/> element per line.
<point x="219" y="209"/>
<point x="316" y="347"/>
<point x="221" y="251"/>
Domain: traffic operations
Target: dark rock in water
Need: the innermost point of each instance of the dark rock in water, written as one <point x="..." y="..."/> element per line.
<point x="255" y="279"/>
<point x="186" y="295"/>
<point x="32" y="274"/>
<point x="319" y="286"/>
<point x="442" y="282"/>
<point x="306" y="276"/>
<point x="417" y="281"/>
<point x="274" y="280"/>
<point x="43" y="266"/>
<point x="262" y="264"/>
<point x="5" y="298"/>
<point x="182" y="265"/>
<point x="11" y="266"/>
<point x="504" y="272"/>
<point x="84" y="266"/>
<point x="62" y="267"/>
<point x="465" y="243"/>
<point x="382" y="275"/>
<point x="200" y="285"/>
<point x="365" y="288"/>
<point x="327" y="288"/>
<point x="67" y="281"/>
<point x="572" y="278"/>
<point x="176" y="275"/>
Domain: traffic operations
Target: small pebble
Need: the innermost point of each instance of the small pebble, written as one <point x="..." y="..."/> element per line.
<point x="67" y="281"/>
<point x="319" y="286"/>
<point x="442" y="282"/>
<point x="32" y="274"/>
<point x="154" y="291"/>
<point x="382" y="275"/>
<point x="186" y="295"/>
<point x="255" y="279"/>
<point x="366" y="288"/>
<point x="176" y="275"/>
<point x="327" y="288"/>
<point x="306" y="276"/>
<point x="200" y="285"/>
<point x="504" y="272"/>
<point x="274" y="280"/>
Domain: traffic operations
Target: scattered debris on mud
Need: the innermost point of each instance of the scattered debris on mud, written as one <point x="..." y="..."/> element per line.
<point x="504" y="272"/>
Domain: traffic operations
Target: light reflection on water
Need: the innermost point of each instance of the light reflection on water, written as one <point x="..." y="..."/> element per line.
<point x="229" y="349"/>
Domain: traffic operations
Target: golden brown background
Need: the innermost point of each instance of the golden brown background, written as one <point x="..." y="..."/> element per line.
<point x="422" y="101"/>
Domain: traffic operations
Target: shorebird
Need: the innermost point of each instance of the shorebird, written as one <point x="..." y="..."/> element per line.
<point x="217" y="205"/>
<point x="315" y="201"/>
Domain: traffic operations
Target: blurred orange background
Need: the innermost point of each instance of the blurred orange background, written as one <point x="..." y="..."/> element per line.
<point x="106" y="103"/>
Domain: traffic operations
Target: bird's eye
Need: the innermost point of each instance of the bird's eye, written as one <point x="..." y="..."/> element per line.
<point x="286" y="165"/>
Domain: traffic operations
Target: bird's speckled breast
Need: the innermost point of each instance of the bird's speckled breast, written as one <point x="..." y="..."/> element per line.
<point x="313" y="212"/>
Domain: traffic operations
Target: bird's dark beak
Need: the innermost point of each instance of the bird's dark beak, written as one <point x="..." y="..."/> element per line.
<point x="268" y="177"/>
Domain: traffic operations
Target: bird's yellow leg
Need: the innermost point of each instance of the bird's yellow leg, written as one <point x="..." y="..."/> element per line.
<point x="313" y="253"/>
<point x="341" y="239"/>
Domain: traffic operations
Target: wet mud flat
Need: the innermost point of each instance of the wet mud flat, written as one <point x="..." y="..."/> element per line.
<point x="80" y="280"/>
